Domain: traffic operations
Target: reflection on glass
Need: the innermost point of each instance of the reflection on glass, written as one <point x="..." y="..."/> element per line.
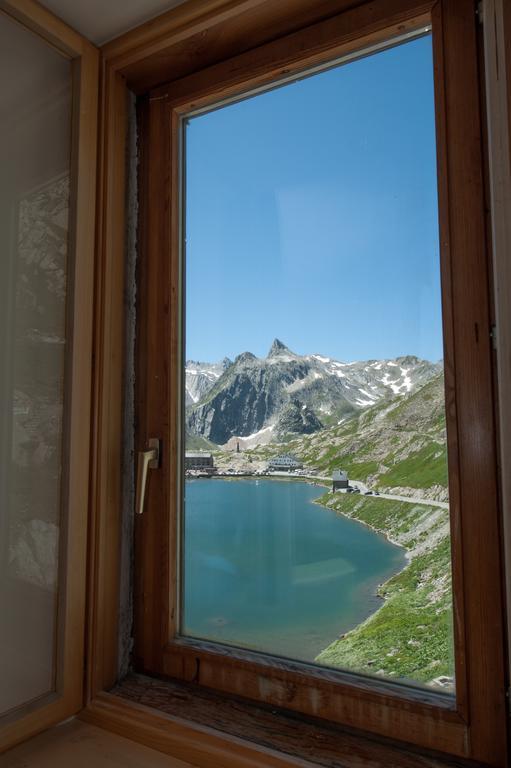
<point x="316" y="519"/>
<point x="35" y="129"/>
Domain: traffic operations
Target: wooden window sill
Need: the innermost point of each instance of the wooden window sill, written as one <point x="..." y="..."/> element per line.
<point x="208" y="729"/>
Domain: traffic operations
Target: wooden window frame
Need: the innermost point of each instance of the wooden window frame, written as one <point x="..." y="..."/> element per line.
<point x="24" y="721"/>
<point x="476" y="728"/>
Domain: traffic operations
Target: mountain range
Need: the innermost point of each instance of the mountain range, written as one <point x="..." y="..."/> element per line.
<point x="286" y="394"/>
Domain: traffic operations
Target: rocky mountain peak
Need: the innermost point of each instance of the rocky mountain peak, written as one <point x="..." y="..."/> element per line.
<point x="245" y="357"/>
<point x="278" y="348"/>
<point x="408" y="360"/>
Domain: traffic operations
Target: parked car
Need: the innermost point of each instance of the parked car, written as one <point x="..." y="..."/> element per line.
<point x="368" y="493"/>
<point x="356" y="490"/>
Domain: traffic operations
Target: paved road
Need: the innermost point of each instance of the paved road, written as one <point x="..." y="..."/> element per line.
<point x="410" y="499"/>
<point x="363" y="488"/>
<point x="415" y="500"/>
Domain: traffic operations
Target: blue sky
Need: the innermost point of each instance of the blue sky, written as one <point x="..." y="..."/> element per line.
<point x="311" y="216"/>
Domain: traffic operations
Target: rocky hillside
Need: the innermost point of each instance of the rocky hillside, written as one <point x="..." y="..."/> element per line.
<point x="289" y="394"/>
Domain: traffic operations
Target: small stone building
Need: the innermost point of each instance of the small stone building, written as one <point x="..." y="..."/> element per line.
<point x="198" y="460"/>
<point x="339" y="480"/>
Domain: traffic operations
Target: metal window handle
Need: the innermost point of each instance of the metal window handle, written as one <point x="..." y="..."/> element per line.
<point x="149" y="459"/>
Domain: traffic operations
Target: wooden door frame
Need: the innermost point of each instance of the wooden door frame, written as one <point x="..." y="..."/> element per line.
<point x="182" y="41"/>
<point x="18" y="725"/>
<point x="496" y="23"/>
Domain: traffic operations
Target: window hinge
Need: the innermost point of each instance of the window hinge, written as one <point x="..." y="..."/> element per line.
<point x="480" y="11"/>
<point x="493" y="337"/>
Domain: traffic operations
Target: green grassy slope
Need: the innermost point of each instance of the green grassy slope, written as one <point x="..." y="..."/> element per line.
<point x="197" y="443"/>
<point x="411" y="635"/>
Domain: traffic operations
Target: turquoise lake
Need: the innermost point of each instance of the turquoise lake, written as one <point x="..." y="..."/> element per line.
<point x="265" y="568"/>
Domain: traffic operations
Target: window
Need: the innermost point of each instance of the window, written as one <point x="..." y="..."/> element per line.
<point x="329" y="185"/>
<point x="178" y="637"/>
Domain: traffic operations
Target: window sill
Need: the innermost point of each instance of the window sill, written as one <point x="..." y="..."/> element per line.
<point x="209" y="729"/>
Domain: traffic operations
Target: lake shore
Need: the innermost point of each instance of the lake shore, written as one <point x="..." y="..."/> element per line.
<point x="387" y="536"/>
<point x="410" y="635"/>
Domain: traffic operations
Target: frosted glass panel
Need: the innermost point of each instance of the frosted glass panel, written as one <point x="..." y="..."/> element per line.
<point x="35" y="138"/>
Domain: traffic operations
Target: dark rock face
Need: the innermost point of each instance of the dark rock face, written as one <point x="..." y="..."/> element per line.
<point x="245" y="397"/>
<point x="297" y="419"/>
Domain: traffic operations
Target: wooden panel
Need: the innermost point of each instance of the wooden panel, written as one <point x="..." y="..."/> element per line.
<point x="451" y="411"/>
<point x="187" y="741"/>
<point x="105" y="528"/>
<point x="81" y="745"/>
<point x="497" y="61"/>
<point x="77" y="445"/>
<point x="212" y="43"/>
<point x="228" y="734"/>
<point x="154" y="339"/>
<point x="72" y="573"/>
<point x="413" y="715"/>
<point x="316" y="740"/>
<point x="153" y="35"/>
<point x="474" y="393"/>
<point x="202" y="32"/>
<point x="358" y="29"/>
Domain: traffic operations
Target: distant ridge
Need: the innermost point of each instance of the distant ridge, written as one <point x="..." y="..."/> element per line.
<point x="291" y="393"/>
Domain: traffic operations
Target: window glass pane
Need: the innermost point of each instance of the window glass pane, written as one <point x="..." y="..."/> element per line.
<point x="35" y="129"/>
<point x="316" y="513"/>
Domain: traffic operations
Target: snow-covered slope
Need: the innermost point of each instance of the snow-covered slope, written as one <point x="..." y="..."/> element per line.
<point x="200" y="377"/>
<point x="368" y="381"/>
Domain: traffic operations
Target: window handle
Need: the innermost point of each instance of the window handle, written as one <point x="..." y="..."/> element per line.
<point x="149" y="459"/>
